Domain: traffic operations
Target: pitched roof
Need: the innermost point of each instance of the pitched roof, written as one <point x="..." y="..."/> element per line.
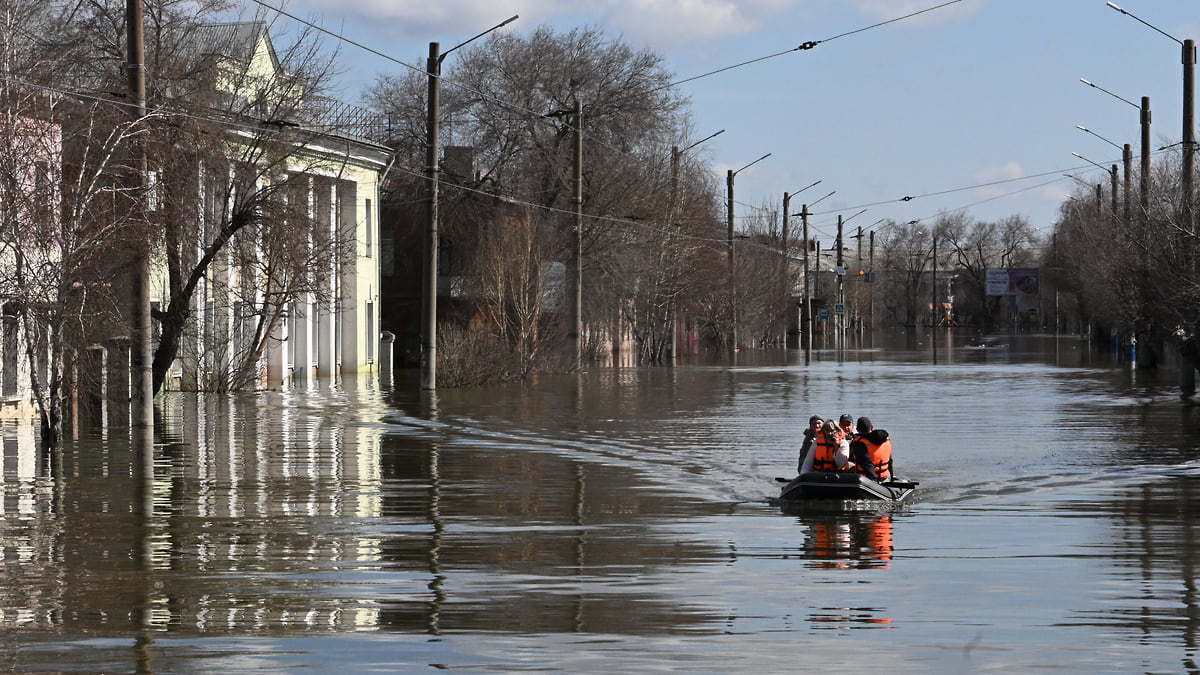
<point x="236" y="41"/>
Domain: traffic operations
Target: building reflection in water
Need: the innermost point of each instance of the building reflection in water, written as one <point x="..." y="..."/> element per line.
<point x="284" y="513"/>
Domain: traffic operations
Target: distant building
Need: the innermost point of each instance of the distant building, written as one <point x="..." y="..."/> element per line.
<point x="29" y="202"/>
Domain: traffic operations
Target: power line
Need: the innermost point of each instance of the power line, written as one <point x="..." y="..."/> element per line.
<point x="813" y="43"/>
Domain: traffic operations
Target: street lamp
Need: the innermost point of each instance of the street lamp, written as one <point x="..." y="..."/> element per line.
<point x="1113" y="174"/>
<point x="808" y="324"/>
<point x="784" y="246"/>
<point x="1144" y="116"/>
<point x="1127" y="161"/>
<point x="729" y="240"/>
<point x="1188" y="58"/>
<point x="429" y="278"/>
<point x="841" y="279"/>
<point x="672" y="207"/>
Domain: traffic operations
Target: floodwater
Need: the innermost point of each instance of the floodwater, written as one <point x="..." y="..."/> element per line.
<point x="621" y="521"/>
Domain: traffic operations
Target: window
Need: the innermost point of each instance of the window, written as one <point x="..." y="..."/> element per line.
<point x="370" y="229"/>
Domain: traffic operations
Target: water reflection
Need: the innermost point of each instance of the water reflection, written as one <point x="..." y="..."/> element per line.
<point x="627" y="508"/>
<point x="850" y="540"/>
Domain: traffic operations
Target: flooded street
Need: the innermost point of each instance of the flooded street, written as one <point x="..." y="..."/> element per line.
<point x="622" y="521"/>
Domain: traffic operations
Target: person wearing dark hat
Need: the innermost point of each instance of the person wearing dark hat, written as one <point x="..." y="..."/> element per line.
<point x="805" y="462"/>
<point x="871" y="451"/>
<point x="846" y="424"/>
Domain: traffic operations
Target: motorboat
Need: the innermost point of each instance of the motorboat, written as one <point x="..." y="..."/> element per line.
<point x="832" y="485"/>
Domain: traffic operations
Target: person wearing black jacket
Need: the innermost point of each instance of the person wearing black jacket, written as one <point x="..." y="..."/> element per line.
<point x="871" y="451"/>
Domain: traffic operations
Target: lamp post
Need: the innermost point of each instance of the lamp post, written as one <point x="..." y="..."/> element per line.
<point x="672" y="208"/>
<point x="1144" y="117"/>
<point x="784" y="248"/>
<point x="1188" y="58"/>
<point x="1113" y="175"/>
<point x="430" y="276"/>
<point x="841" y="280"/>
<point x="808" y="322"/>
<point x="729" y="241"/>
<point x="1127" y="162"/>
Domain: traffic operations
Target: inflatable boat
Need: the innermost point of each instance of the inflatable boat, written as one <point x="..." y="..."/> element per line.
<point x="832" y="485"/>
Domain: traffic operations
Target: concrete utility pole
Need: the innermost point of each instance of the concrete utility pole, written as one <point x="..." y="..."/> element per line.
<point x="429" y="276"/>
<point x="1189" y="134"/>
<point x="808" y="322"/>
<point x="1144" y="178"/>
<point x="1114" y="177"/>
<point x="1127" y="161"/>
<point x="841" y="289"/>
<point x="575" y="278"/>
<point x="140" y="353"/>
<point x="729" y="254"/>
<point x="785" y="296"/>
<point x="672" y="215"/>
<point x="733" y="299"/>
<point x="933" y="309"/>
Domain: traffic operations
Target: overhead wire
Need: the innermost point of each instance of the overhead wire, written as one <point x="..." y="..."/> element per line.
<point x="802" y="47"/>
<point x="539" y="116"/>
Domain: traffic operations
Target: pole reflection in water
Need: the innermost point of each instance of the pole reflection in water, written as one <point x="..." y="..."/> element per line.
<point x="618" y="521"/>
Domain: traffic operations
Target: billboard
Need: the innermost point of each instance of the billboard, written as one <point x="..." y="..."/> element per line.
<point x="1020" y="281"/>
<point x="1021" y="284"/>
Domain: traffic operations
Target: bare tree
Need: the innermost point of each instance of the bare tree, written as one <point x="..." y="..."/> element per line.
<point x="907" y="251"/>
<point x="511" y="99"/>
<point x="66" y="236"/>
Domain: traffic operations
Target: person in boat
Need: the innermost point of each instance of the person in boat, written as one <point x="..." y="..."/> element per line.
<point x="871" y="451"/>
<point x="805" y="462"/>
<point x="831" y="451"/>
<point x="846" y="424"/>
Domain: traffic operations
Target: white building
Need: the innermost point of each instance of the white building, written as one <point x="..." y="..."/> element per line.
<point x="333" y="175"/>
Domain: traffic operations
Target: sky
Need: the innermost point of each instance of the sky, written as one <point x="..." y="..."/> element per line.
<point x="971" y="106"/>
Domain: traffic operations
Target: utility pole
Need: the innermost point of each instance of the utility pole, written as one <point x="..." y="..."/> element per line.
<point x="1145" y="168"/>
<point x="785" y="293"/>
<point x="858" y="293"/>
<point x="142" y="389"/>
<point x="429" y="276"/>
<point x="808" y="322"/>
<point x="575" y="277"/>
<point x="1114" y="176"/>
<point x="729" y="254"/>
<point x="871" y="268"/>
<point x="1127" y="161"/>
<point x="933" y="308"/>
<point x="1189" y="135"/>
<point x="841" y="289"/>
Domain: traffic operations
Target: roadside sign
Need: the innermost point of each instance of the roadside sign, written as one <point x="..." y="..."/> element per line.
<point x="839" y="308"/>
<point x="823" y="313"/>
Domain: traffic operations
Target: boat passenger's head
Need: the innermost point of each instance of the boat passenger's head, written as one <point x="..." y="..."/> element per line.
<point x="815" y="423"/>
<point x="831" y="428"/>
<point x="846" y="422"/>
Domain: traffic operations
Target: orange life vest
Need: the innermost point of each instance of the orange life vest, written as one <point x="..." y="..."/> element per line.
<point x="823" y="450"/>
<point x="881" y="457"/>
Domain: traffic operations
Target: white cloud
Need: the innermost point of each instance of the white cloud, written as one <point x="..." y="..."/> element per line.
<point x="660" y="23"/>
<point x="1003" y="172"/>
<point x="670" y="23"/>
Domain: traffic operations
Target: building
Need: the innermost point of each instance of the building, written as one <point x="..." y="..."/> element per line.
<point x="313" y="179"/>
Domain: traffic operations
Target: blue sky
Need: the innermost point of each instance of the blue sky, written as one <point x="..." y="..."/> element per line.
<point x="974" y="92"/>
